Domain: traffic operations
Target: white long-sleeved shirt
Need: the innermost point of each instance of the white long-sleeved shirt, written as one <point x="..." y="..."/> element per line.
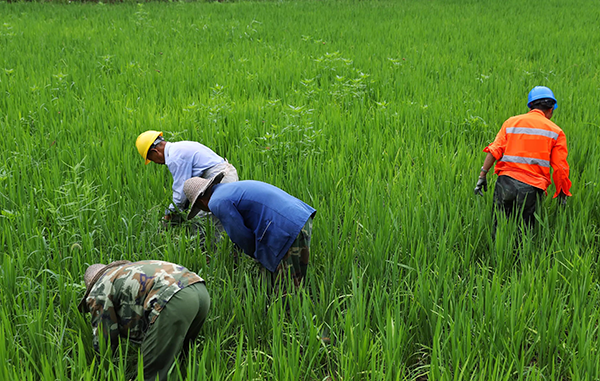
<point x="186" y="160"/>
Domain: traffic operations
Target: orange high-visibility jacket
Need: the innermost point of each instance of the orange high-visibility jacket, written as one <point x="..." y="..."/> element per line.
<point x="527" y="146"/>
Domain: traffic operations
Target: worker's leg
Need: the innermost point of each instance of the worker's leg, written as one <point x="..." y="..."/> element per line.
<point x="296" y="260"/>
<point x="305" y="248"/>
<point x="231" y="175"/>
<point x="204" y="306"/>
<point x="505" y="195"/>
<point x="504" y="199"/>
<point x="527" y="199"/>
<point x="180" y="318"/>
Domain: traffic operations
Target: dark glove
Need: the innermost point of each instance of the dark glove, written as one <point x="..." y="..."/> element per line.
<point x="481" y="183"/>
<point x="562" y="199"/>
<point x="173" y="218"/>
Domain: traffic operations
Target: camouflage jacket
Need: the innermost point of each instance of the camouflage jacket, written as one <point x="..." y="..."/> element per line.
<point x="127" y="299"/>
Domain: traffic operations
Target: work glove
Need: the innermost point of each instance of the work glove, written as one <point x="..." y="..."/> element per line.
<point x="173" y="218"/>
<point x="481" y="183"/>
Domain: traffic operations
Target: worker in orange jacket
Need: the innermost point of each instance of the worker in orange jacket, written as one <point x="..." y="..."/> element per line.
<point x="525" y="149"/>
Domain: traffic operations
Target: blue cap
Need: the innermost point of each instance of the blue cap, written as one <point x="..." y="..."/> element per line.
<point x="541" y="92"/>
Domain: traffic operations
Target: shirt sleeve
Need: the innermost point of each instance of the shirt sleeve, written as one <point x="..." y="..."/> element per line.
<point x="181" y="171"/>
<point x="105" y="323"/>
<point x="497" y="147"/>
<point x="558" y="161"/>
<point x="234" y="225"/>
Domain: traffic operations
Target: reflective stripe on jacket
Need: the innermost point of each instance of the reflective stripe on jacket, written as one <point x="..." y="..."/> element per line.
<point x="527" y="146"/>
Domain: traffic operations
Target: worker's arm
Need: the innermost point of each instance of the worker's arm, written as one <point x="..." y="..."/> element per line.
<point x="181" y="171"/>
<point x="495" y="151"/>
<point x="234" y="225"/>
<point x="105" y="323"/>
<point x="482" y="180"/>
<point x="560" y="167"/>
<point x="487" y="164"/>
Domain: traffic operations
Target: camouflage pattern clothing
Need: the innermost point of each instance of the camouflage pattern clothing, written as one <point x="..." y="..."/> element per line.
<point x="296" y="259"/>
<point x="127" y="299"/>
<point x="295" y="262"/>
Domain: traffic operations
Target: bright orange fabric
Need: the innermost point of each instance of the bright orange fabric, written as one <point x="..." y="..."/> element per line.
<point x="527" y="146"/>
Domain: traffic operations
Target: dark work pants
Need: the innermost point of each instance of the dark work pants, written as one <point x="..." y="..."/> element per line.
<point x="514" y="197"/>
<point x="176" y="327"/>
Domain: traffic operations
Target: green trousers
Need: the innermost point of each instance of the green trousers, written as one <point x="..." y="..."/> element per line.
<point x="176" y="327"/>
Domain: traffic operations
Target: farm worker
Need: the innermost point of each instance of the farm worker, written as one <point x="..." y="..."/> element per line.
<point x="525" y="149"/>
<point x="185" y="160"/>
<point x="157" y="304"/>
<point x="267" y="223"/>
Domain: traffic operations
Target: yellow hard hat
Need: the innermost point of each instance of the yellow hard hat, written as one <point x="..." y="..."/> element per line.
<point x="145" y="140"/>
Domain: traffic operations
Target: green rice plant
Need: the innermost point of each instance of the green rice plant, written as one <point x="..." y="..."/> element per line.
<point x="373" y="112"/>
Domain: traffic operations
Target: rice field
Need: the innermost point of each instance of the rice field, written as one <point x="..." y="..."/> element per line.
<point x="373" y="112"/>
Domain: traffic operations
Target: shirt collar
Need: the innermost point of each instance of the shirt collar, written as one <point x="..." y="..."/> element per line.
<point x="167" y="149"/>
<point x="535" y="110"/>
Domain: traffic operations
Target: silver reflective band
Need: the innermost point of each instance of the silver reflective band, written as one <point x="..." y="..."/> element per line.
<point x="532" y="131"/>
<point x="525" y="160"/>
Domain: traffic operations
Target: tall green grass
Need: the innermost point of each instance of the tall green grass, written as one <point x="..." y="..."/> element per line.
<point x="373" y="112"/>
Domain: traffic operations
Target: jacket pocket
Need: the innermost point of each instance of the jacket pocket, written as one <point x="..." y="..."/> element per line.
<point x="262" y="235"/>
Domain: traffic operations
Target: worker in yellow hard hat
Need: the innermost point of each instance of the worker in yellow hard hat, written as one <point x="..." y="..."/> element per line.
<point x="185" y="160"/>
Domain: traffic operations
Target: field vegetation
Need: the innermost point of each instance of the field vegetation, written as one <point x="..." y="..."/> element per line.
<point x="374" y="112"/>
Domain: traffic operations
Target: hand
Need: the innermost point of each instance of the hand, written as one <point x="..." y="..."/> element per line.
<point x="164" y="225"/>
<point x="171" y="219"/>
<point x="481" y="183"/>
